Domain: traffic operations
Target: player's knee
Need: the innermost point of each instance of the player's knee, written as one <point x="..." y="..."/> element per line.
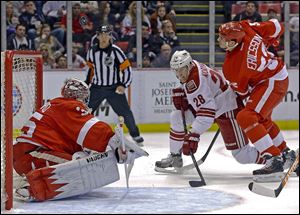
<point x="246" y="118"/>
<point x="240" y="156"/>
<point x="176" y="120"/>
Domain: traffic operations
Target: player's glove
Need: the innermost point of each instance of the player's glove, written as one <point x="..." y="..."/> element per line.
<point x="190" y="143"/>
<point x="179" y="99"/>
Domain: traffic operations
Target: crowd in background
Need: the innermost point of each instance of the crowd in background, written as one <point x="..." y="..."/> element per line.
<point x="41" y="25"/>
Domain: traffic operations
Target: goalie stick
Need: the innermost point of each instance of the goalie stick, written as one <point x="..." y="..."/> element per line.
<point x="189" y="166"/>
<point x="192" y="182"/>
<point x="265" y="191"/>
<point x="127" y="172"/>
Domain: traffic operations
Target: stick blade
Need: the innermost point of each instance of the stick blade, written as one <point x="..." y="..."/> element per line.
<point x="261" y="190"/>
<point x="197" y="183"/>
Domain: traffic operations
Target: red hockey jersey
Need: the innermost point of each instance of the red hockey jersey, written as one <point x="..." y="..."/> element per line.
<point x="250" y="62"/>
<point x="65" y="125"/>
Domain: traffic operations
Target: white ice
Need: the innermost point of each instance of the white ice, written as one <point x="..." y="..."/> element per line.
<point x="151" y="192"/>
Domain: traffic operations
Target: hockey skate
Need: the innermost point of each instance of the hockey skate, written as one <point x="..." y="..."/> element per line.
<point x="173" y="160"/>
<point x="272" y="171"/>
<point x="138" y="140"/>
<point x="289" y="157"/>
<point x="22" y="191"/>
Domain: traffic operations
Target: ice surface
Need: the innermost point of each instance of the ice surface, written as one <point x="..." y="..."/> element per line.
<point x="151" y="192"/>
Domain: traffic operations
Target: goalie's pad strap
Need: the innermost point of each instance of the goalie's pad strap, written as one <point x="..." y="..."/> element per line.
<point x="74" y="177"/>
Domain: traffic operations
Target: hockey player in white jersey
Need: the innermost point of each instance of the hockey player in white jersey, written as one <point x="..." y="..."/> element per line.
<point x="205" y="97"/>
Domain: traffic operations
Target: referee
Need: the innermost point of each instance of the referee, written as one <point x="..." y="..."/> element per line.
<point x="109" y="75"/>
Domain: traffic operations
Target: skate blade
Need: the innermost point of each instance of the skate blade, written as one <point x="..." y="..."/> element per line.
<point x="139" y="144"/>
<point x="274" y="177"/>
<point x="171" y="170"/>
<point x="22" y="194"/>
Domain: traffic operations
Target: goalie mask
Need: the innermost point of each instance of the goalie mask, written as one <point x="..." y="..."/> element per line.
<point x="181" y="63"/>
<point x="75" y="89"/>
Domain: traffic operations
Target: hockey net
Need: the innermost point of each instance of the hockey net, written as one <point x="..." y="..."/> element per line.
<point x="21" y="94"/>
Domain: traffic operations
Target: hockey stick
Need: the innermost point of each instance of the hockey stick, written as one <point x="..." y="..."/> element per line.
<point x="121" y="123"/>
<point x="261" y="190"/>
<point x="190" y="166"/>
<point x="193" y="183"/>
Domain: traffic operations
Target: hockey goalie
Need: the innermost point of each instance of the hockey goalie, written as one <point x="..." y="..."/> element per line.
<point x="65" y="151"/>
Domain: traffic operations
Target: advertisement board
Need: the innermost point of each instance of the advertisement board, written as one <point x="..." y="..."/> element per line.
<point x="150" y="95"/>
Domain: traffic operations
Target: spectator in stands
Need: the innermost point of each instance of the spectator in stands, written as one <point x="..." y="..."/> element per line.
<point x="250" y="13"/>
<point x="104" y="17"/>
<point x="294" y="29"/>
<point x="82" y="27"/>
<point x="19" y="41"/>
<point x="39" y="7"/>
<point x="128" y="27"/>
<point x="163" y="59"/>
<point x="119" y="9"/>
<point x="168" y="36"/>
<point x="227" y="6"/>
<point x="45" y="37"/>
<point x="152" y="5"/>
<point x="18" y="6"/>
<point x="48" y="59"/>
<point x="31" y="19"/>
<point x="150" y="43"/>
<point x="272" y="14"/>
<point x="146" y="62"/>
<point x="157" y="17"/>
<point x="11" y="19"/>
<point x="54" y="11"/>
<point x="278" y="50"/>
<point x="78" y="61"/>
<point x="61" y="62"/>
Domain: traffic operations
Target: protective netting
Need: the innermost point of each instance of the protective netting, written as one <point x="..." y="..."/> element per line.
<point x="24" y="100"/>
<point x="3" y="193"/>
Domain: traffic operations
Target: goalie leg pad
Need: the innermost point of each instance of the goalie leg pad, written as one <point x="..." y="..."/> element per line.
<point x="73" y="178"/>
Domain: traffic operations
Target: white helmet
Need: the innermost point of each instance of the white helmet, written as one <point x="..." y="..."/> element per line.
<point x="180" y="59"/>
<point x="75" y="89"/>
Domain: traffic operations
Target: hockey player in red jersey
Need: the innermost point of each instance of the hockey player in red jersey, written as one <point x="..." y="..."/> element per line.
<point x="63" y="147"/>
<point x="262" y="78"/>
<point x="205" y="98"/>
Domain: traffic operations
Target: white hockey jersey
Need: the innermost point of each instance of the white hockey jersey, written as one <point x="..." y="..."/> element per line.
<point x="209" y="94"/>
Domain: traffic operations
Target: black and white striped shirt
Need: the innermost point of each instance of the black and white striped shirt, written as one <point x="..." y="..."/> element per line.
<point x="108" y="67"/>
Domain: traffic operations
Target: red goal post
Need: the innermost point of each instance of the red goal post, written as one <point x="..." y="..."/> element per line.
<point x="21" y="95"/>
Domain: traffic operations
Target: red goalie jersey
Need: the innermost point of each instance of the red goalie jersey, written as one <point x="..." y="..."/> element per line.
<point x="250" y="62"/>
<point x="65" y="125"/>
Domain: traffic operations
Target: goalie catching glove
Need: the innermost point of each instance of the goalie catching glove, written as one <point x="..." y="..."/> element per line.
<point x="132" y="150"/>
<point x="190" y="143"/>
<point x="179" y="99"/>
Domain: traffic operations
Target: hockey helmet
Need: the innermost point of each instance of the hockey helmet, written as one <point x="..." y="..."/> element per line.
<point x="232" y="31"/>
<point x="104" y="29"/>
<point x="180" y="59"/>
<point x="75" y="89"/>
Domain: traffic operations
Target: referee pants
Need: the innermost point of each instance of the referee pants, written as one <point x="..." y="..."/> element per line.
<point x="118" y="102"/>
